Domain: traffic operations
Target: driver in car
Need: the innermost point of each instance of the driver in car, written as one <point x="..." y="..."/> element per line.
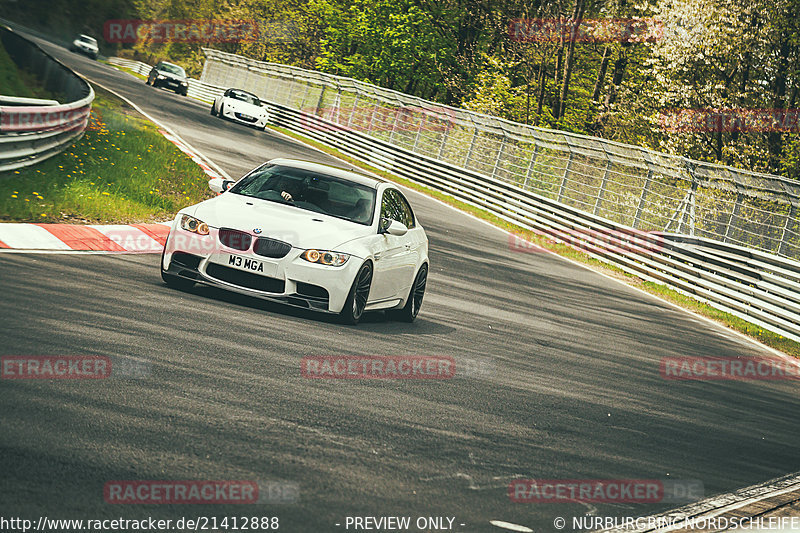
<point x="292" y="190"/>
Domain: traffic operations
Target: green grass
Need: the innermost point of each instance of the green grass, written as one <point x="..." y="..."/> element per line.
<point x="16" y="82"/>
<point x="121" y="171"/>
<point x="763" y="336"/>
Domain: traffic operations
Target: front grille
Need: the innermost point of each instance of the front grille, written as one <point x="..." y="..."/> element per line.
<point x="186" y="260"/>
<point x="238" y="240"/>
<point x="245" y="279"/>
<point x="271" y="248"/>
<point x="246" y="118"/>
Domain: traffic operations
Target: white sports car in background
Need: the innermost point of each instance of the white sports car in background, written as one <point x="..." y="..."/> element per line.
<point x="242" y="107"/>
<point x="85" y="45"/>
<point x="307" y="235"/>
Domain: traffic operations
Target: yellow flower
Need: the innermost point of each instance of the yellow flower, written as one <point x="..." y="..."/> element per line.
<point x="13" y="196"/>
<point x="106" y="193"/>
<point x="44" y="215"/>
<point x="27" y="199"/>
<point x="35" y="193"/>
<point x="40" y="197"/>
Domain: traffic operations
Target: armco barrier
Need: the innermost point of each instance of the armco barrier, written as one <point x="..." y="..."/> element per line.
<point x="759" y="287"/>
<point x="630" y="185"/>
<point x="32" y="131"/>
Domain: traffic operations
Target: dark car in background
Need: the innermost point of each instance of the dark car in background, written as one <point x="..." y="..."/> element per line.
<point x="169" y="75"/>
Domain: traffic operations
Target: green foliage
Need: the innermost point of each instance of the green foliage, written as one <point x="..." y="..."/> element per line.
<point x="718" y="54"/>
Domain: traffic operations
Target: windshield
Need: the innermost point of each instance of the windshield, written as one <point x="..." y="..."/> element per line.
<point x="172" y="69"/>
<point x="85" y="39"/>
<point x="310" y="191"/>
<point x="245" y="97"/>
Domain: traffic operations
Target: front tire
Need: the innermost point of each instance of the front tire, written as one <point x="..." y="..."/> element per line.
<point x="410" y="311"/>
<point x="213" y="110"/>
<point x="357" y="298"/>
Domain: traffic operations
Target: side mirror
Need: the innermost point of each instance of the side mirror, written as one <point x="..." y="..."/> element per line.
<point x="219" y="185"/>
<point x="392" y="227"/>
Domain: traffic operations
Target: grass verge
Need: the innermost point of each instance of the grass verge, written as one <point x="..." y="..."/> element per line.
<point x="757" y="333"/>
<point x="121" y="171"/>
<point x="16" y="82"/>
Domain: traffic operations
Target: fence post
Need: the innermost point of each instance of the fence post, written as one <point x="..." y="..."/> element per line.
<point x="563" y="185"/>
<point x="499" y="155"/>
<point x="305" y="95"/>
<point x="441" y="147"/>
<point x="530" y="165"/>
<point x="603" y="184"/>
<point x="353" y="110"/>
<point x="419" y="131"/>
<point x="396" y="119"/>
<point x="320" y="100"/>
<point x="643" y="199"/>
<point x="785" y="234"/>
<point x="372" y="117"/>
<point x="734" y="214"/>
<point x="692" y="194"/>
<point x="471" y="145"/>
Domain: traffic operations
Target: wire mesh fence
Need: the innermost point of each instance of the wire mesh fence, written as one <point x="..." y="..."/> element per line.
<point x="629" y="185"/>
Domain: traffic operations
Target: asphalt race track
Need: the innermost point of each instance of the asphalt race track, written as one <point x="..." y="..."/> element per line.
<point x="564" y="380"/>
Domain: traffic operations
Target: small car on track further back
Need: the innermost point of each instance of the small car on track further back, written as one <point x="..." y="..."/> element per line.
<point x="242" y="107"/>
<point x="168" y="75"/>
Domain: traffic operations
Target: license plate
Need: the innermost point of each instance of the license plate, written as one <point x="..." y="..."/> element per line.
<point x="245" y="117"/>
<point x="250" y="265"/>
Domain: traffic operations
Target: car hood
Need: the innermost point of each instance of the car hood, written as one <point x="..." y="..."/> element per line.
<point x="300" y="228"/>
<point x="244" y="107"/>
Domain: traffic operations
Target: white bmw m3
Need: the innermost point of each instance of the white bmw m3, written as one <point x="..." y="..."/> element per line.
<point x="240" y="106"/>
<point x="307" y="235"/>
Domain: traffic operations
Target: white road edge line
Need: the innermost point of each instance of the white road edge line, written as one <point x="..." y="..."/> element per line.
<point x="510" y="526"/>
<point x="166" y="128"/>
<point x="582" y="265"/>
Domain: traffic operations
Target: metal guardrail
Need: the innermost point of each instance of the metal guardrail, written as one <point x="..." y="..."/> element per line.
<point x="31" y="132"/>
<point x="630" y="185"/>
<point x="759" y="287"/>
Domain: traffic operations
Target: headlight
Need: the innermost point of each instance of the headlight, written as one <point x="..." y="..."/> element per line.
<point x="160" y="77"/>
<point x="184" y="83"/>
<point x="324" y="257"/>
<point x="194" y="225"/>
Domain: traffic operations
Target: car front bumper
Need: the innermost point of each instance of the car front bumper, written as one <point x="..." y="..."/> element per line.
<point x="290" y="280"/>
<point x="241" y="118"/>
